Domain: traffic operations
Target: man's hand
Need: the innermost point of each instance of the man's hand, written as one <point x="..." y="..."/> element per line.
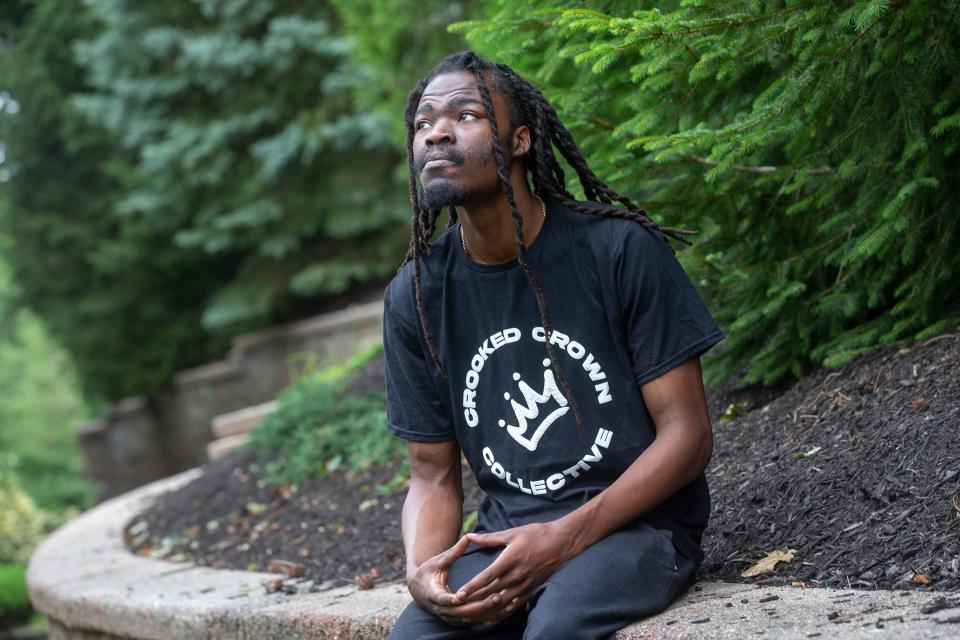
<point x="428" y="586"/>
<point x="533" y="552"/>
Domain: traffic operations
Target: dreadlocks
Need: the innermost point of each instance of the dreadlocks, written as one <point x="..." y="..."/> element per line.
<point x="527" y="106"/>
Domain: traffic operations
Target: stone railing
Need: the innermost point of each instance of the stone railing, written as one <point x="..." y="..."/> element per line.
<point x="144" y="438"/>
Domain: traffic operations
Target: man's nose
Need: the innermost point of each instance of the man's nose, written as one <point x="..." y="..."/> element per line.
<point x="440" y="132"/>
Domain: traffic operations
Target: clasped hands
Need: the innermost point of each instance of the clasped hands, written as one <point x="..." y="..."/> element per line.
<point x="531" y="554"/>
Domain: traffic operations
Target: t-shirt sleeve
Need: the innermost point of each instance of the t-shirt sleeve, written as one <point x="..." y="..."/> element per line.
<point x="414" y="408"/>
<point x="665" y="320"/>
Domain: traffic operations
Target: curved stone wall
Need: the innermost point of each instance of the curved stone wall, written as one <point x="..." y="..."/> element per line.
<point x="92" y="588"/>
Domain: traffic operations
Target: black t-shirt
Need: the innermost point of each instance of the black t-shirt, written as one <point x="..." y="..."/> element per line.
<point x="623" y="312"/>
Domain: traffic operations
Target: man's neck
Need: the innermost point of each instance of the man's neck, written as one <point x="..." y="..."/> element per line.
<point x="488" y="227"/>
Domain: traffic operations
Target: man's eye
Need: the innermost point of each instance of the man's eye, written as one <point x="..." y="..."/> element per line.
<point x="473" y="116"/>
<point x="420" y="124"/>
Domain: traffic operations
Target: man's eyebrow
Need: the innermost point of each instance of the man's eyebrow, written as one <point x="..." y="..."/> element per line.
<point x="453" y="103"/>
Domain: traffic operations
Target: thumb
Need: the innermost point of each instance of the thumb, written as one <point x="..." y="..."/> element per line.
<point x="454" y="552"/>
<point x="496" y="539"/>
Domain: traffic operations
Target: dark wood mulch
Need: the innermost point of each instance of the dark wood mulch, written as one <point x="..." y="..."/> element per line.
<point x="857" y="469"/>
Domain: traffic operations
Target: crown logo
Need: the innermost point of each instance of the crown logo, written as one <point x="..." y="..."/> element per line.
<point x="531" y="411"/>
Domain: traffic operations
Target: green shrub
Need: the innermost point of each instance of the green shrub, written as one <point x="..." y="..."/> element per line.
<point x="813" y="145"/>
<point x="318" y="426"/>
<point x="14" y="603"/>
<point x="21" y="523"/>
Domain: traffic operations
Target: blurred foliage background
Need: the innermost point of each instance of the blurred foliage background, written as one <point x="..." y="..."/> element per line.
<point x="174" y="173"/>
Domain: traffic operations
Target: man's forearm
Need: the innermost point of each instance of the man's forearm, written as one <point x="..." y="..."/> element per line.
<point x="432" y="518"/>
<point x="669" y="463"/>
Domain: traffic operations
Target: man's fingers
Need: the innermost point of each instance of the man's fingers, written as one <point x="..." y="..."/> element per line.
<point x="444" y="598"/>
<point x="508" y="605"/>
<point x="469" y="613"/>
<point x="491" y="588"/>
<point x="497" y="569"/>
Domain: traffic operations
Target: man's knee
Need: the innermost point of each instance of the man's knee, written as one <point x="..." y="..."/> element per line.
<point x="416" y="623"/>
<point x="569" y="623"/>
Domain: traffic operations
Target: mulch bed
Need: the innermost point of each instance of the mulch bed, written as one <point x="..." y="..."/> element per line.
<point x="856" y="469"/>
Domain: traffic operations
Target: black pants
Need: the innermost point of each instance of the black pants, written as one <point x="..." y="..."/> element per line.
<point x="631" y="574"/>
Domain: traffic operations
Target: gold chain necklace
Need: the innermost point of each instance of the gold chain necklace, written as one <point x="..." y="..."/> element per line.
<point x="463" y="243"/>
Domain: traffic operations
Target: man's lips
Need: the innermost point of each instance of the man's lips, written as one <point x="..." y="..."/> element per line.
<point x="439" y="159"/>
<point x="439" y="162"/>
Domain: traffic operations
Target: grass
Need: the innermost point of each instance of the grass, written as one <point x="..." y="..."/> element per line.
<point x="14" y="602"/>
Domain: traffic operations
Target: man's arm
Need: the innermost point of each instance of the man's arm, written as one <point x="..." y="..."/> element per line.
<point x="432" y="520"/>
<point x="433" y="509"/>
<point x="679" y="453"/>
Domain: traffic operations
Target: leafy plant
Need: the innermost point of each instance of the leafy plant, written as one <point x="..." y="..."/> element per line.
<point x="21" y="523"/>
<point x="318" y="427"/>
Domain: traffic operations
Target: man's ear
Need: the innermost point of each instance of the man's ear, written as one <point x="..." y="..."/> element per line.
<point x="520" y="140"/>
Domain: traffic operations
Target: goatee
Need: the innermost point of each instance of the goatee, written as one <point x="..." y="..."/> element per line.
<point x="440" y="193"/>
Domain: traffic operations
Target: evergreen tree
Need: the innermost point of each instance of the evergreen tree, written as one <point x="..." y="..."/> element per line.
<point x="247" y="141"/>
<point x="397" y="42"/>
<point x="116" y="293"/>
<point x="814" y="146"/>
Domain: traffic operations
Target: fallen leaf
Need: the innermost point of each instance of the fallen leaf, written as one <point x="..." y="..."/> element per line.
<point x="366" y="504"/>
<point x="367" y="580"/>
<point x="255" y="508"/>
<point x="922" y="579"/>
<point x="292" y="569"/>
<point x="806" y="454"/>
<point x="272" y="586"/>
<point x="732" y="412"/>
<point x="919" y="403"/>
<point x="798" y="583"/>
<point x="769" y="563"/>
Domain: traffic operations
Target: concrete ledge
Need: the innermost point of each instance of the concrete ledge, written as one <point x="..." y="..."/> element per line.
<point x="222" y="446"/>
<point x="241" y="420"/>
<point x="92" y="588"/>
<point x="328" y="323"/>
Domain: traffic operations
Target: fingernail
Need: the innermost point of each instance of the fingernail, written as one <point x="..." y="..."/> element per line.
<point x="461" y="595"/>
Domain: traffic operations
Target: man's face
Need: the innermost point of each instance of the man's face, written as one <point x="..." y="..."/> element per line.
<point x="453" y="145"/>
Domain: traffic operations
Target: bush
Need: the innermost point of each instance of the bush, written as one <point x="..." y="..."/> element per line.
<point x="319" y="426"/>
<point x="21" y="523"/>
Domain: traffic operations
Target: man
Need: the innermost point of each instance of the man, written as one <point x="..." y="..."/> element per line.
<point x="583" y="421"/>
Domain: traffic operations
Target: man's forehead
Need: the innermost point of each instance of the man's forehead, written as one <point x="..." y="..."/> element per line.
<point x="451" y="84"/>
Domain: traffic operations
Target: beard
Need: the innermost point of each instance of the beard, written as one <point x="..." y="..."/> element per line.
<point x="441" y="193"/>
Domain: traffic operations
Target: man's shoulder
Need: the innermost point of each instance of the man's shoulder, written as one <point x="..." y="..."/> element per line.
<point x="399" y="285"/>
<point x="399" y="292"/>
<point x="606" y="234"/>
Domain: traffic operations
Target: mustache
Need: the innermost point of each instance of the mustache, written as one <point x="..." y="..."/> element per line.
<point x="446" y="154"/>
